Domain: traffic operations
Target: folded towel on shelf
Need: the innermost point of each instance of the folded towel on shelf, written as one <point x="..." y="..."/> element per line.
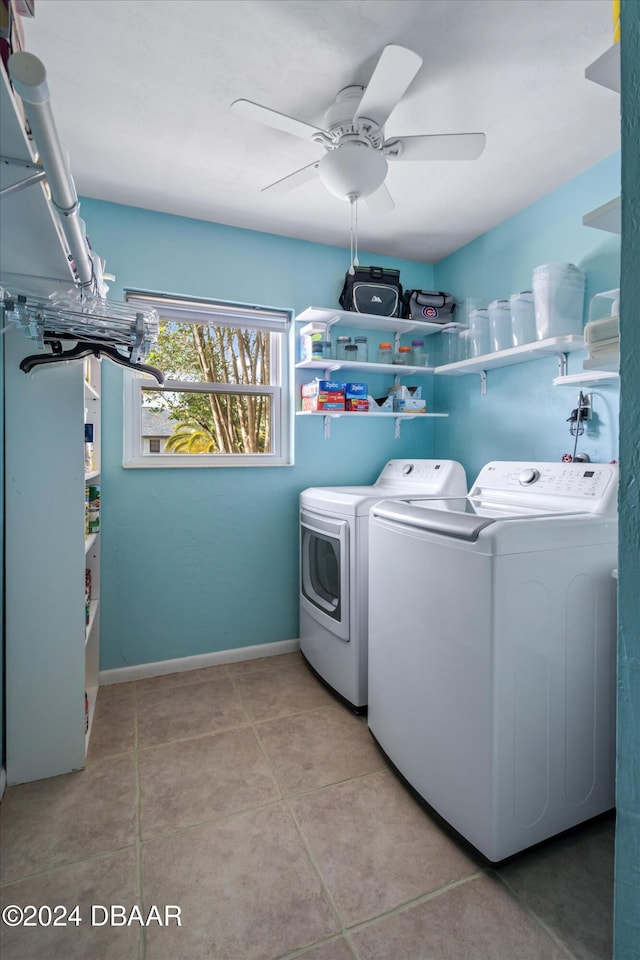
<point x="599" y="331"/>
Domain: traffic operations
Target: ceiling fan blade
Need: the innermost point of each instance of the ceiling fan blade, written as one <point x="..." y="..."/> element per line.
<point x="380" y="201"/>
<point x="271" y="118"/>
<point x="444" y="146"/>
<point x="394" y="71"/>
<point x="293" y="180"/>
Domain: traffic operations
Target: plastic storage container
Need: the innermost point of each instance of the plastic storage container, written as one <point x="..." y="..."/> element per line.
<point x="341" y="348"/>
<point x="419" y="357"/>
<point x="351" y="353"/>
<point x="385" y="353"/>
<point x="478" y="334"/>
<point x="403" y="356"/>
<point x="558" y="298"/>
<point x="523" y="317"/>
<point x="500" y="335"/>
<point x="450" y="342"/>
<point x="363" y="349"/>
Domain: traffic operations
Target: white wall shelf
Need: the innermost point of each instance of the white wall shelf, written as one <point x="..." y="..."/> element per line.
<point x="607" y="217"/>
<point x="552" y="347"/>
<point x="396" y="369"/>
<point x="365" y="321"/>
<point x="588" y="378"/>
<point x="329" y="415"/>
<point x="606" y="69"/>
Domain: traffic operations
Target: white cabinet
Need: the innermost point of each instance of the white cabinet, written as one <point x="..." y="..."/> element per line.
<point x="51" y="655"/>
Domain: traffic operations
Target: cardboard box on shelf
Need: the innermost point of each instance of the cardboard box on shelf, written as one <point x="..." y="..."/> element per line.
<point x="316" y="387"/>
<point x="323" y="403"/>
<point x="410" y="405"/>
<point x="357" y="404"/>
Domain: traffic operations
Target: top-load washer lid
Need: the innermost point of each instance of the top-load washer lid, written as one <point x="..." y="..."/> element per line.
<point x="516" y="492"/>
<point x="432" y="478"/>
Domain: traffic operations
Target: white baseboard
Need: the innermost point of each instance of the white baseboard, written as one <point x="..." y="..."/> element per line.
<point x="161" y="667"/>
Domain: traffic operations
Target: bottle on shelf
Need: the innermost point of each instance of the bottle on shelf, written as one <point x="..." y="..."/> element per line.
<point x="362" y="344"/>
<point x="385" y="353"/>
<point x="341" y="348"/>
<point x="403" y="356"/>
<point x="419" y="356"/>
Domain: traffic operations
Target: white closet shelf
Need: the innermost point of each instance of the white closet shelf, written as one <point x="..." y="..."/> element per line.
<point x="93" y="610"/>
<point x="34" y="245"/>
<point x="588" y="378"/>
<point x="367" y="415"/>
<point x="553" y="346"/>
<point x="365" y="321"/>
<point x="607" y="217"/>
<point x="606" y="69"/>
<point x="396" y="369"/>
<point x="329" y="415"/>
<point x="89" y="542"/>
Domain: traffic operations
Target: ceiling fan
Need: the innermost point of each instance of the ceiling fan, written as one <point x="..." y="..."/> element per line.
<point x="356" y="160"/>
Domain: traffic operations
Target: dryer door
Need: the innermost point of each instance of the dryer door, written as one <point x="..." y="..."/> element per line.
<point x="324" y="571"/>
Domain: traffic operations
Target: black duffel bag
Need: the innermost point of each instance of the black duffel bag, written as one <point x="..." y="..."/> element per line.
<point x="375" y="290"/>
<point x="430" y="306"/>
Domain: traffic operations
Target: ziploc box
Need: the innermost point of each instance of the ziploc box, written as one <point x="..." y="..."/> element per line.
<point x="410" y="405"/>
<point x="356" y="396"/>
<point x="323" y="395"/>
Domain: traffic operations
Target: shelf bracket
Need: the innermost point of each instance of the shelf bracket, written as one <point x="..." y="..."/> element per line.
<point x="326" y="433"/>
<point x="28" y="181"/>
<point x="562" y="364"/>
<point x="483" y="383"/>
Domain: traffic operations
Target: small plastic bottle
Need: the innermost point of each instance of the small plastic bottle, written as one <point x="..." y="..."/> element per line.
<point x="341" y="345"/>
<point x="385" y="353"/>
<point x="403" y="356"/>
<point x="418" y="355"/>
<point x="363" y="349"/>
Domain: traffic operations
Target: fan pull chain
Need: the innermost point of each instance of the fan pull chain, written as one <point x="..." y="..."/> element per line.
<point x="351" y="270"/>
<point x="356" y="262"/>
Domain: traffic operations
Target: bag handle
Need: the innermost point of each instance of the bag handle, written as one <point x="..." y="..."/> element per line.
<point x="432" y="294"/>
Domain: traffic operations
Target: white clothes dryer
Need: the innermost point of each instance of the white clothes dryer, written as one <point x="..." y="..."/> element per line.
<point x="492" y="650"/>
<point x="334" y="538"/>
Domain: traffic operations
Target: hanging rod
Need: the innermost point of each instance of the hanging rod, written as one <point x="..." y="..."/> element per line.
<point x="29" y="79"/>
<point x="116" y="330"/>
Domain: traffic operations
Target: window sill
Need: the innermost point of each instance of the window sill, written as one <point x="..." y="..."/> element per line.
<point x="179" y="462"/>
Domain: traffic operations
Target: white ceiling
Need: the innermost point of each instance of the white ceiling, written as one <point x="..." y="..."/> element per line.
<point x="141" y="89"/>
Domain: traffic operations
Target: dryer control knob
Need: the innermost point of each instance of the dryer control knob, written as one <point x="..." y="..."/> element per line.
<point x="527" y="477"/>
<point x="407" y="469"/>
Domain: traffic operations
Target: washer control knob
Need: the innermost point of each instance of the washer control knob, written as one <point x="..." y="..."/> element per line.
<point x="407" y="469"/>
<point x="529" y="476"/>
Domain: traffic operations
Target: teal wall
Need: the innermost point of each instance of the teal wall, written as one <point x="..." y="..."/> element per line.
<point x="523" y="416"/>
<point x="627" y="868"/>
<point x="200" y="560"/>
<point x="203" y="560"/>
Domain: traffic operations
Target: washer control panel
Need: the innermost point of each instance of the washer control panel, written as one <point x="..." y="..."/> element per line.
<point x="584" y="487"/>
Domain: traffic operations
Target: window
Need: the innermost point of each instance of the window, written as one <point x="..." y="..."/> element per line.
<point x="226" y="399"/>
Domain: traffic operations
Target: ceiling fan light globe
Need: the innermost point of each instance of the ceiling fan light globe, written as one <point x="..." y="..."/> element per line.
<point x="352" y="170"/>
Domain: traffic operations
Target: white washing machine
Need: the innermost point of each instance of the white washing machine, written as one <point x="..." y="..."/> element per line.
<point x="334" y="566"/>
<point x="492" y="650"/>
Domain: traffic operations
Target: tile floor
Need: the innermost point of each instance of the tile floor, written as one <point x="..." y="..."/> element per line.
<point x="247" y="796"/>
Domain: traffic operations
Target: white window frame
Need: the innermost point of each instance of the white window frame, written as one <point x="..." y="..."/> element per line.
<point x="228" y="314"/>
